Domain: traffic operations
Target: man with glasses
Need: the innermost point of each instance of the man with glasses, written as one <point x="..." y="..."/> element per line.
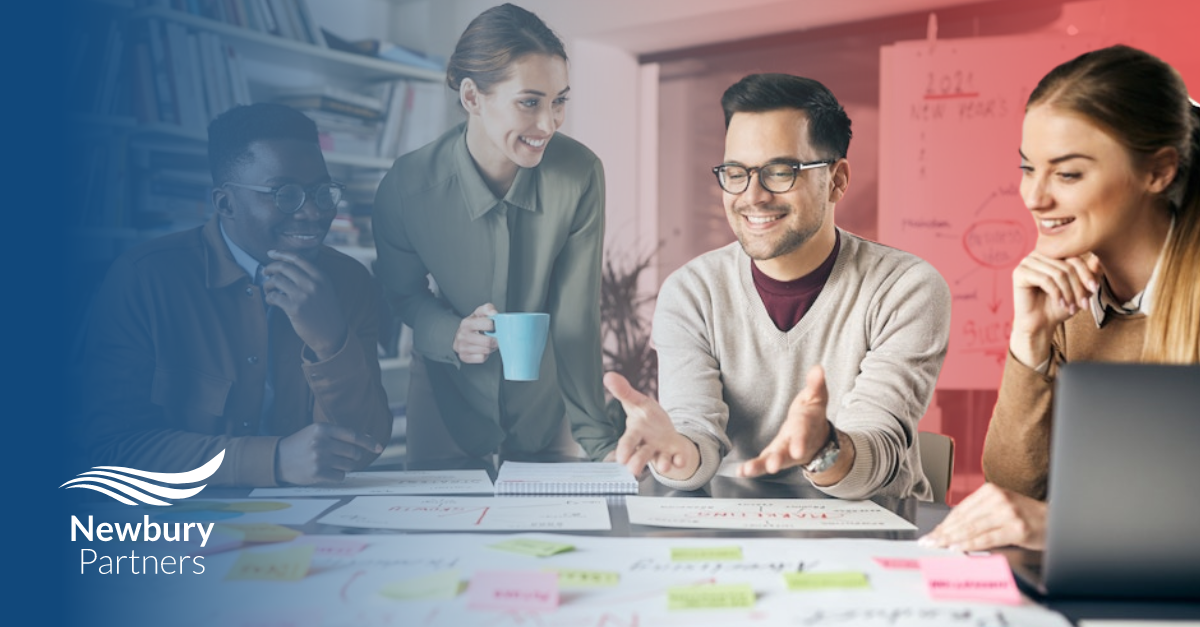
<point x="802" y="351"/>
<point x="246" y="335"/>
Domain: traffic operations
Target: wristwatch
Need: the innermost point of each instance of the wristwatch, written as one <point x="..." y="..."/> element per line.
<point x="827" y="456"/>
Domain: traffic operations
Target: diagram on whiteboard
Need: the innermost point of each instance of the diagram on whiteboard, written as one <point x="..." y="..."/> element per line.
<point x="949" y="179"/>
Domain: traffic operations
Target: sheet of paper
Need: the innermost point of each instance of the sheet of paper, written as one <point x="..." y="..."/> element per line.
<point x="393" y="483"/>
<point x="513" y="590"/>
<point x="984" y="578"/>
<point x="467" y="513"/>
<point x="286" y="565"/>
<point x="565" y="478"/>
<point x="799" y="514"/>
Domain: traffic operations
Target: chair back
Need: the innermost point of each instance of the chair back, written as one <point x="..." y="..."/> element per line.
<point x="937" y="461"/>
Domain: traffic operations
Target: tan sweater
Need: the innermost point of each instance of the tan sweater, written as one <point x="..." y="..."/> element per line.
<point x="1016" y="452"/>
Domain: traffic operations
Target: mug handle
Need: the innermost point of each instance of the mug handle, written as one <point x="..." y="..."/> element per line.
<point x="490" y="333"/>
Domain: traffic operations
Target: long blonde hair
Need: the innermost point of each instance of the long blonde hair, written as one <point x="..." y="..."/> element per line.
<point x="1143" y="102"/>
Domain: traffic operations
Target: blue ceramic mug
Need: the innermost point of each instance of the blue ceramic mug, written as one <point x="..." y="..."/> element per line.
<point x="522" y="340"/>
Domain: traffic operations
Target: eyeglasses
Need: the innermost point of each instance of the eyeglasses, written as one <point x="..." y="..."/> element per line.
<point x="289" y="197"/>
<point x="776" y="178"/>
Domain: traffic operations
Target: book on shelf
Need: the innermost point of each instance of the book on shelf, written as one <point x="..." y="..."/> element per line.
<point x="332" y="104"/>
<point x="424" y="116"/>
<point x="183" y="78"/>
<point x="565" y="478"/>
<point x="385" y="50"/>
<point x="289" y="19"/>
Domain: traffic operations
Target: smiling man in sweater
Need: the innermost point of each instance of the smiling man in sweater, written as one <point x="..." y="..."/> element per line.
<point x="801" y="351"/>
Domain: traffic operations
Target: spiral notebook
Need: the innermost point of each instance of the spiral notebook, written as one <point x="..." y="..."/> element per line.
<point x="566" y="478"/>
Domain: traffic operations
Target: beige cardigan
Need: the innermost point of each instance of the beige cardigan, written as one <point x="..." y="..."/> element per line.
<point x="1016" y="452"/>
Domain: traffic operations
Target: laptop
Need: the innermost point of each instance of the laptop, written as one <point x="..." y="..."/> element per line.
<point x="1124" y="515"/>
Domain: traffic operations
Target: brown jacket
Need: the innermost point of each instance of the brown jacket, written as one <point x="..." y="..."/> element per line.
<point x="176" y="358"/>
<point x="1016" y="451"/>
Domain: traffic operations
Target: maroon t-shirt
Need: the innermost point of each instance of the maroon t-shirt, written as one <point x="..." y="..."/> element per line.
<point x="788" y="301"/>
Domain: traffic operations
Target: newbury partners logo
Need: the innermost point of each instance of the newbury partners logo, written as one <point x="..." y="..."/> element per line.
<point x="126" y="481"/>
<point x="100" y="476"/>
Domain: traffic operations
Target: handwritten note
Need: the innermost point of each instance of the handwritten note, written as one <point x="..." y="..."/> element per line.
<point x="513" y="590"/>
<point x="265" y="532"/>
<point x="440" y="586"/>
<point x="975" y="578"/>
<point x="398" y="483"/>
<point x="534" y="548"/>
<point x="766" y="514"/>
<point x="706" y="554"/>
<point x="578" y="578"/>
<point x="710" y="596"/>
<point x="825" y="581"/>
<point x="286" y="565"/>
<point x="473" y="513"/>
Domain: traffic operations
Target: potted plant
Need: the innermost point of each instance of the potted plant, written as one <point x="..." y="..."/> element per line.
<point x="625" y="329"/>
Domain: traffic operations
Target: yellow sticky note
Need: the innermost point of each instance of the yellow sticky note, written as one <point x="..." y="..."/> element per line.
<point x="707" y="554"/>
<point x="535" y="548"/>
<point x="710" y="596"/>
<point x="825" y="581"/>
<point x="266" y="532"/>
<point x="578" y="578"/>
<point x="286" y="565"/>
<point x="440" y="586"/>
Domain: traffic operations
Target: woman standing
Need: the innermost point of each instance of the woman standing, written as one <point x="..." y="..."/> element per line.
<point x="505" y="215"/>
<point x="1109" y="154"/>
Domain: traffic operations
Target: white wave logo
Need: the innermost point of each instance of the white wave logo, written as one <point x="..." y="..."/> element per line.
<point x="95" y="479"/>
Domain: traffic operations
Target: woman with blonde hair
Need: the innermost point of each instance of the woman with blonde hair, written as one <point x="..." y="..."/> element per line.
<point x="1109" y="151"/>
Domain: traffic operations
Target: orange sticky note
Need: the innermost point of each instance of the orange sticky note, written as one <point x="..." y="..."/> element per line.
<point x="513" y="590"/>
<point x="975" y="578"/>
<point x="286" y="565"/>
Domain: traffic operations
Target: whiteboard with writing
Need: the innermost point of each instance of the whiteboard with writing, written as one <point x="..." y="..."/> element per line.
<point x="950" y="132"/>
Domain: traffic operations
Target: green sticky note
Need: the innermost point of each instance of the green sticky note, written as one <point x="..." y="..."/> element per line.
<point x="710" y="596"/>
<point x="535" y="548"/>
<point x="825" y="581"/>
<point x="439" y="586"/>
<point x="577" y="578"/>
<point x="706" y="554"/>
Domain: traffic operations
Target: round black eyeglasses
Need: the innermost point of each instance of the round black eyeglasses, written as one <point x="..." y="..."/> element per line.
<point x="289" y="197"/>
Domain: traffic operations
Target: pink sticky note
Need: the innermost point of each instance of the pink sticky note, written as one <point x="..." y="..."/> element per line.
<point x="513" y="590"/>
<point x="327" y="546"/>
<point x="975" y="578"/>
<point x="897" y="563"/>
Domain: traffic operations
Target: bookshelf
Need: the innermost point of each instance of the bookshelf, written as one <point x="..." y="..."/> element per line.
<point x="152" y="76"/>
<point x="139" y="166"/>
<point x="277" y="51"/>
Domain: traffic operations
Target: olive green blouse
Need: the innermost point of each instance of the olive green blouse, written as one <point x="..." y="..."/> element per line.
<point x="536" y="249"/>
